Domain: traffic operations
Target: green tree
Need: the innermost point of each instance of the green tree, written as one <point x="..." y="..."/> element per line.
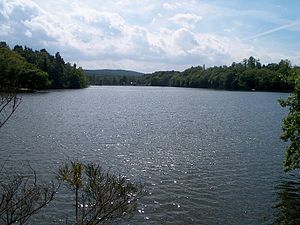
<point x="291" y="127"/>
<point x="61" y="74"/>
<point x="100" y="197"/>
<point x="16" y="72"/>
<point x="3" y="45"/>
<point x="72" y="175"/>
<point x="248" y="80"/>
<point x="33" y="79"/>
<point x="11" y="64"/>
<point x="123" y="80"/>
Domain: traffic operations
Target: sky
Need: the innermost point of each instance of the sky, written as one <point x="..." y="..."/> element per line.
<point x="153" y="35"/>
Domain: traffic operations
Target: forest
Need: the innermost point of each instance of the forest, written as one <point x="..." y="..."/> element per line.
<point x="31" y="70"/>
<point x="24" y="69"/>
<point x="247" y="75"/>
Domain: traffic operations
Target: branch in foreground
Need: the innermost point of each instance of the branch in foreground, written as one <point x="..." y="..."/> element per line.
<point x="101" y="197"/>
<point x="9" y="102"/>
<point x="22" y="197"/>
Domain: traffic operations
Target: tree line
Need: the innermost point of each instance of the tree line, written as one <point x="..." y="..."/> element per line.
<point x="113" y="80"/>
<point x="23" y="68"/>
<point x="247" y="75"/>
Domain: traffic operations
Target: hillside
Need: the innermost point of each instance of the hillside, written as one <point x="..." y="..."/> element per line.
<point x="108" y="72"/>
<point x="247" y="75"/>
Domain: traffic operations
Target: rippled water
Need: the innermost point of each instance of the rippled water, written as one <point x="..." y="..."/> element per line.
<point x="205" y="157"/>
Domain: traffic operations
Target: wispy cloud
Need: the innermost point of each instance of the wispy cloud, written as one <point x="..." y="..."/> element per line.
<point x="148" y="35"/>
<point x="276" y="29"/>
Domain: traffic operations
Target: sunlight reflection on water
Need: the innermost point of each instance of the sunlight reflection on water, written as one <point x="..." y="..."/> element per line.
<point x="205" y="157"/>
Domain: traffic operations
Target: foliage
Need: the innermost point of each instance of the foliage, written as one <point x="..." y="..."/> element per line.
<point x="288" y="202"/>
<point x="36" y="70"/>
<point x="73" y="177"/>
<point x="116" y="73"/>
<point x="291" y="127"/>
<point x="112" y="80"/>
<point x="247" y="75"/>
<point x="61" y="74"/>
<point x="10" y="66"/>
<point x="22" y="197"/>
<point x="33" y="79"/>
<point x="112" y="77"/>
<point x="100" y="196"/>
<point x="16" y="73"/>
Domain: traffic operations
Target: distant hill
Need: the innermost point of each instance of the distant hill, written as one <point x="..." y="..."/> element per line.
<point x="107" y="72"/>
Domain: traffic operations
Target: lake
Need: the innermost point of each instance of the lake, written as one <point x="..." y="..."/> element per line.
<point x="204" y="156"/>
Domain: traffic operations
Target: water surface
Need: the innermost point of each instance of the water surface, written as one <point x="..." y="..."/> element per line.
<point x="205" y="156"/>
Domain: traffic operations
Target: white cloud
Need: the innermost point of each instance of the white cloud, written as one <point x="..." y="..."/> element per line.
<point x="141" y="35"/>
<point x="19" y="10"/>
<point x="5" y="30"/>
<point x="171" y="6"/>
<point x="28" y="33"/>
<point x="186" y="20"/>
<point x="184" y="40"/>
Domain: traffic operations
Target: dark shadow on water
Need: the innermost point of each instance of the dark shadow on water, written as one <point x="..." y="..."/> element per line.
<point x="287" y="207"/>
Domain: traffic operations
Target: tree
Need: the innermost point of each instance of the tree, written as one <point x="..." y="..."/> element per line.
<point x="123" y="80"/>
<point x="3" y="45"/>
<point x="291" y="127"/>
<point x="100" y="196"/>
<point x="22" y="197"/>
<point x="33" y="79"/>
<point x="9" y="67"/>
<point x="288" y="203"/>
<point x="9" y="102"/>
<point x="72" y="175"/>
<point x="61" y="74"/>
<point x="16" y="73"/>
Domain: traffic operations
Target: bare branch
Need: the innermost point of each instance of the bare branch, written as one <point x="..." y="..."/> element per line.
<point x="24" y="196"/>
<point x="9" y="102"/>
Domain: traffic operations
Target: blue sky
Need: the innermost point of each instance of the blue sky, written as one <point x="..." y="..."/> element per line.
<point x="153" y="35"/>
